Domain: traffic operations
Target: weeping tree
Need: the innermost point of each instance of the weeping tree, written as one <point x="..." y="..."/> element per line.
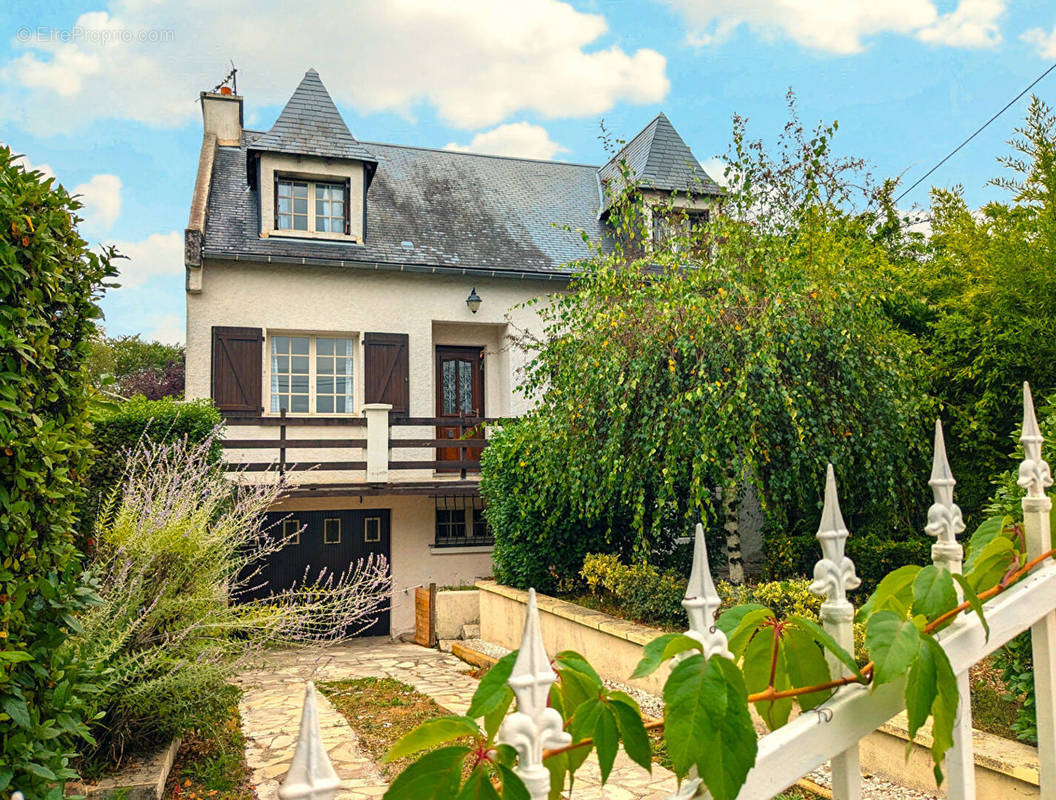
<point x="680" y="368"/>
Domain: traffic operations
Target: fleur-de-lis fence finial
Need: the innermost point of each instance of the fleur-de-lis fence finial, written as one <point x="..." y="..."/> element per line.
<point x="944" y="515"/>
<point x="1034" y="473"/>
<point x="834" y="574"/>
<point x="311" y="775"/>
<point x="702" y="601"/>
<point x="534" y="726"/>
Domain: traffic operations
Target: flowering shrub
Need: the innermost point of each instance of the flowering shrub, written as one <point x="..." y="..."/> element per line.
<point x="177" y="547"/>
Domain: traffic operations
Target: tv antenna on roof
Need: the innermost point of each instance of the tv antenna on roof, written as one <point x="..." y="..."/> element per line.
<point x="230" y="79"/>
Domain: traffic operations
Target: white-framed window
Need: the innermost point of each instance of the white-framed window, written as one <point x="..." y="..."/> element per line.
<point x="372" y="529"/>
<point x="291" y="531"/>
<point x="311" y="374"/>
<point x="332" y="530"/>
<point x="310" y="206"/>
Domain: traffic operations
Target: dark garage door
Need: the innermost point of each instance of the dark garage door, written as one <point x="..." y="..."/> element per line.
<point x="330" y="540"/>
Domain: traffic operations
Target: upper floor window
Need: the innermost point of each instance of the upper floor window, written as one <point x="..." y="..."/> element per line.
<point x="311" y="374"/>
<point x="311" y="206"/>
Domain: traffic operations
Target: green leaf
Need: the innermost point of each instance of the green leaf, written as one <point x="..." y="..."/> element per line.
<point x="944" y="710"/>
<point x="758" y="662"/>
<point x="973" y="601"/>
<point x="17" y="709"/>
<point x="576" y="689"/>
<point x="513" y="787"/>
<point x="933" y="592"/>
<point x="921" y="690"/>
<point x="632" y="732"/>
<point x="894" y="593"/>
<point x="435" y="775"/>
<point x="430" y="734"/>
<point x="573" y="660"/>
<point x="746" y="629"/>
<point x="606" y="740"/>
<point x="730" y="619"/>
<point x="806" y="666"/>
<point x="708" y="724"/>
<point x="15" y="655"/>
<point x="493" y="719"/>
<point x="992" y="564"/>
<point x="492" y="689"/>
<point x="893" y="644"/>
<point x="822" y="637"/>
<point x="987" y="531"/>
<point x="557" y="766"/>
<point x="653" y="654"/>
<point x="478" y="786"/>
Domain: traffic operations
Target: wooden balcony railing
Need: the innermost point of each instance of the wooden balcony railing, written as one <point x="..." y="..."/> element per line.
<point x="455" y="444"/>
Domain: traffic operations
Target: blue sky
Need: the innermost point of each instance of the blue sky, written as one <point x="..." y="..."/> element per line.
<point x="102" y="92"/>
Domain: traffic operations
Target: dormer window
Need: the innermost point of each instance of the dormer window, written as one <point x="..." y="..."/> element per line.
<point x="311" y="206"/>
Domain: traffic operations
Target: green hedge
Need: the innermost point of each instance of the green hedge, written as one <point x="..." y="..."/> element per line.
<point x="120" y="429"/>
<point x="49" y="281"/>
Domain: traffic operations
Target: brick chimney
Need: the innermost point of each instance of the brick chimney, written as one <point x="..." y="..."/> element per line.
<point x="222" y="115"/>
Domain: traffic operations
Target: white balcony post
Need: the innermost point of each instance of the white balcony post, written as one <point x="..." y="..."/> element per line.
<point x="535" y="726"/>
<point x="944" y="523"/>
<point x="834" y="575"/>
<point x="377" y="415"/>
<point x="1035" y="477"/>
<point x="311" y="775"/>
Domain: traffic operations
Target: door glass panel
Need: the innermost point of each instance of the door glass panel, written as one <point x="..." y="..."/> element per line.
<point x="449" y="389"/>
<point x="465" y="387"/>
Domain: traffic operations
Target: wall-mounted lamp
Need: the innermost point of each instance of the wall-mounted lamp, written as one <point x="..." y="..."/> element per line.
<point x="473" y="301"/>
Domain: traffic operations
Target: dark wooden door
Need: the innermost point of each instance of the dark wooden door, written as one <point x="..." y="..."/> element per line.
<point x="385" y="372"/>
<point x="459" y="396"/>
<point x="329" y="543"/>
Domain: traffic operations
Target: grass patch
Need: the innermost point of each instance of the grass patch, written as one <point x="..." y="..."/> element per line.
<point x="381" y="711"/>
<point x="211" y="762"/>
<point x="994" y="708"/>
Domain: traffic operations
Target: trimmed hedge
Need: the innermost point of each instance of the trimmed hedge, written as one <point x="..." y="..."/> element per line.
<point x="49" y="282"/>
<point x="120" y="429"/>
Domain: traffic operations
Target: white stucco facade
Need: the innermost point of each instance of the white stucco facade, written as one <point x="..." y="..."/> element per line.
<point x="431" y="310"/>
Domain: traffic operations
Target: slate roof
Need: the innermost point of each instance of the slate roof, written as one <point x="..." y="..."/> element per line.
<point x="311" y="125"/>
<point x="438" y="209"/>
<point x="658" y="158"/>
<point x="428" y="209"/>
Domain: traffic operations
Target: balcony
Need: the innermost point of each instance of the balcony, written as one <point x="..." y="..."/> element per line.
<point x="371" y="454"/>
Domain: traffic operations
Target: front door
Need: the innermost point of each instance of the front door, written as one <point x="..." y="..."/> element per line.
<point x="459" y="395"/>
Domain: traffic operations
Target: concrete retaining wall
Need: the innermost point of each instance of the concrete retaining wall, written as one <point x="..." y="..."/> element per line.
<point x="455" y="609"/>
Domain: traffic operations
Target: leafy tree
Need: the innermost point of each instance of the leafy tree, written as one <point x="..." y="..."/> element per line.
<point x="681" y="367"/>
<point x="986" y="305"/>
<point x="49" y="282"/>
<point x="128" y="366"/>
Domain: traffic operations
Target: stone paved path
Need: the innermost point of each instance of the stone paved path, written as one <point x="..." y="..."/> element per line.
<point x="271" y="708"/>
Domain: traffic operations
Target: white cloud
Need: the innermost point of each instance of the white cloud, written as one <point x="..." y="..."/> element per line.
<point x="519" y="139"/>
<point x="972" y="24"/>
<point x="160" y="254"/>
<point x="101" y="197"/>
<point x="716" y="169"/>
<point x="476" y="61"/>
<point x="840" y="26"/>
<point x="1044" y="42"/>
<point x="167" y="328"/>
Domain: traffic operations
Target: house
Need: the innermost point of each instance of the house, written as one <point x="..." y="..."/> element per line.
<point x="349" y="309"/>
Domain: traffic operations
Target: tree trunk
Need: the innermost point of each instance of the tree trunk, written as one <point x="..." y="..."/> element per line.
<point x="730" y="505"/>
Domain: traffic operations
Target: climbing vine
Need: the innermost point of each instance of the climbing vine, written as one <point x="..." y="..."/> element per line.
<point x="774" y="663"/>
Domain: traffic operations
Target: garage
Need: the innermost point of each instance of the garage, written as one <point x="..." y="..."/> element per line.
<point x="324" y="540"/>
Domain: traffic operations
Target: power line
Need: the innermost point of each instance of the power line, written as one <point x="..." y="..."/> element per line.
<point x="980" y="130"/>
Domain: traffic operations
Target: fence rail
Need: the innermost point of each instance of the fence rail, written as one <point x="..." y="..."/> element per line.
<point x="459" y="451"/>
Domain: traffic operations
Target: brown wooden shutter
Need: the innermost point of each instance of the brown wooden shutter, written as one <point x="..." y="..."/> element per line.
<point x="236" y="371"/>
<point x="385" y="373"/>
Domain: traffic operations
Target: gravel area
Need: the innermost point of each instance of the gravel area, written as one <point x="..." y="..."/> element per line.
<point x="873" y="787"/>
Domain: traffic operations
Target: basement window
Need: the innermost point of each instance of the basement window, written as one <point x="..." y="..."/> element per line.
<point x="460" y="522"/>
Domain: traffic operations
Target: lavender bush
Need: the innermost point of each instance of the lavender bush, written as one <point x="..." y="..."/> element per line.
<point x="175" y="549"/>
